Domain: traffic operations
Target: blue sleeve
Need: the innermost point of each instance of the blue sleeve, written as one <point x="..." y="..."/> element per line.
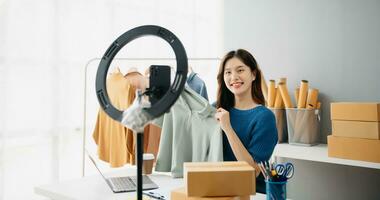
<point x="203" y="91"/>
<point x="264" y="137"/>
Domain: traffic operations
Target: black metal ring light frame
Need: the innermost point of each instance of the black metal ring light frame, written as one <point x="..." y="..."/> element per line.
<point x="170" y="97"/>
<point x="163" y="104"/>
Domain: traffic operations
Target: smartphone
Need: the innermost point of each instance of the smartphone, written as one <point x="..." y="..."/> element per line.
<point x="159" y="82"/>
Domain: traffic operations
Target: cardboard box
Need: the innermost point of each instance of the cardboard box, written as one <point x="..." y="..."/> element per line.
<point x="354" y="148"/>
<point x="214" y="179"/>
<point x="180" y="194"/>
<point x="355" y="111"/>
<point x="356" y="129"/>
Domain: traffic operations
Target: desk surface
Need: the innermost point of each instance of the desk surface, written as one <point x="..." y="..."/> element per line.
<point x="95" y="188"/>
<point x="317" y="153"/>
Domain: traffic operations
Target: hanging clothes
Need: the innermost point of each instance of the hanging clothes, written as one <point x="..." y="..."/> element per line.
<point x="197" y="84"/>
<point x="154" y="133"/>
<point x="116" y="143"/>
<point x="190" y="133"/>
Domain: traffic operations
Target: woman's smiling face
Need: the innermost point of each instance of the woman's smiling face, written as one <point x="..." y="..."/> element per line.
<point x="238" y="77"/>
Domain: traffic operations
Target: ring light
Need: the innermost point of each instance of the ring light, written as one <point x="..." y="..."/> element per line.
<point x="164" y="104"/>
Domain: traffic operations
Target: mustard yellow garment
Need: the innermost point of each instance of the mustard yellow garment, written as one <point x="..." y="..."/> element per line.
<point x="154" y="133"/>
<point x="116" y="144"/>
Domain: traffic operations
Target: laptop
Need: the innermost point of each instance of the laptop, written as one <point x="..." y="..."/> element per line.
<point x="127" y="183"/>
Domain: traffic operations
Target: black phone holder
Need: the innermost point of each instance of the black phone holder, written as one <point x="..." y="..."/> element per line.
<point x="159" y="82"/>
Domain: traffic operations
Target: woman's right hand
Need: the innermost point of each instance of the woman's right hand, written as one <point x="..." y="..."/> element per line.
<point x="223" y="117"/>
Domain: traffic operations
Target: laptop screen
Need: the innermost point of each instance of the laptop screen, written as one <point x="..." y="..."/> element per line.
<point x="93" y="161"/>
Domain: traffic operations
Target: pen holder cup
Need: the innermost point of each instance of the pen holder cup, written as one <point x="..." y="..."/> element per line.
<point x="275" y="190"/>
<point x="303" y="126"/>
<point x="281" y="124"/>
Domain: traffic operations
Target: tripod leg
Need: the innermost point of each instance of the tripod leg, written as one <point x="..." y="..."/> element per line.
<point x="139" y="156"/>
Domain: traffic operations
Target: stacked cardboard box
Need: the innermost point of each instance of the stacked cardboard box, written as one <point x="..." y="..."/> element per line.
<point x="355" y="131"/>
<point x="217" y="180"/>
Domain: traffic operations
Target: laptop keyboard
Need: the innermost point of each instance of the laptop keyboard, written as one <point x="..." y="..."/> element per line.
<point x="146" y="180"/>
<point x="122" y="184"/>
<point x="127" y="183"/>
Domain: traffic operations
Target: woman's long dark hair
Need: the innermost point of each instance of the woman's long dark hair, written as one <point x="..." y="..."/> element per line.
<point x="225" y="98"/>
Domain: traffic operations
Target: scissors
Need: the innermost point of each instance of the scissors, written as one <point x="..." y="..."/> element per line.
<point x="285" y="170"/>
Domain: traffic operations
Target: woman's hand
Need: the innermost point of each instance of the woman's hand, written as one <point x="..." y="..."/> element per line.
<point x="223" y="117"/>
<point x="239" y="150"/>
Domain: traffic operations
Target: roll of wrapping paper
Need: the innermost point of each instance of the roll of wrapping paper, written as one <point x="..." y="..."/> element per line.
<point x="282" y="80"/>
<point x="264" y="88"/>
<point x="278" y="100"/>
<point x="312" y="98"/>
<point x="271" y="93"/>
<point x="303" y="94"/>
<point x="296" y="94"/>
<point x="285" y="95"/>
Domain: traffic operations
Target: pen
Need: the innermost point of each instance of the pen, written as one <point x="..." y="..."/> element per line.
<point x="154" y="195"/>
<point x="262" y="169"/>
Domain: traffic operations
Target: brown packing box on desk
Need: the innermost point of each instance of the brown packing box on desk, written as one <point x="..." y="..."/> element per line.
<point x="356" y="129"/>
<point x="354" y="148"/>
<point x="355" y="111"/>
<point x="214" y="179"/>
<point x="180" y="194"/>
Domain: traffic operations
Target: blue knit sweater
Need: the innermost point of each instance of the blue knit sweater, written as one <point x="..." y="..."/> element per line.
<point x="256" y="129"/>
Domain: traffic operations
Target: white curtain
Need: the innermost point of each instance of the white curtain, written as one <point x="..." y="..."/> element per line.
<point x="45" y="45"/>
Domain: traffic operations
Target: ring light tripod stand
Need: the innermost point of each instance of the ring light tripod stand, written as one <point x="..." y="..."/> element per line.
<point x="159" y="106"/>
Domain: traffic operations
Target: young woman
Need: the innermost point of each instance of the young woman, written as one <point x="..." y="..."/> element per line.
<point x="249" y="128"/>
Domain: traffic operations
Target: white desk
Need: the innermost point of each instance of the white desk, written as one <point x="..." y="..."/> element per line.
<point x="95" y="188"/>
<point x="317" y="153"/>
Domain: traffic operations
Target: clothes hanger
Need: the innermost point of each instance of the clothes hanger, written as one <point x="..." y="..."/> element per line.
<point x="116" y="70"/>
<point x="132" y="70"/>
<point x="136" y="79"/>
<point x="190" y="71"/>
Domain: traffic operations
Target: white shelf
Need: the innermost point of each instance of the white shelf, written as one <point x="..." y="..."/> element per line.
<point x="317" y="153"/>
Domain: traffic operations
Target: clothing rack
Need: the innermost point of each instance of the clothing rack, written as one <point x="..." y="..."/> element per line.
<point x="87" y="66"/>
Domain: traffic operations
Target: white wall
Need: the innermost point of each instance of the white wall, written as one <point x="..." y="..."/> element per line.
<point x="335" y="45"/>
